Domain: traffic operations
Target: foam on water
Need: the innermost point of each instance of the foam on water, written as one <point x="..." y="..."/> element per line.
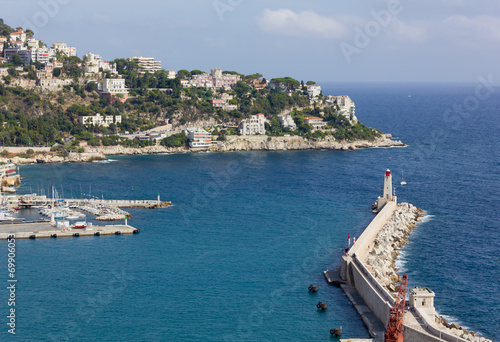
<point x="426" y="218"/>
<point x="401" y="262"/>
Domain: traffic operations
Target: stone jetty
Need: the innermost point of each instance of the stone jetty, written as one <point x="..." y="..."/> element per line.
<point x="368" y="276"/>
<point x="382" y="255"/>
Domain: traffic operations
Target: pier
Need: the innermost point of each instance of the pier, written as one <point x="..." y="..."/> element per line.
<point x="38" y="230"/>
<point x="369" y="287"/>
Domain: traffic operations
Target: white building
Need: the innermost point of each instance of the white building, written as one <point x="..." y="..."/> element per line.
<point x="256" y="124"/>
<point x="313" y="90"/>
<point x="64" y="49"/>
<point x="345" y="105"/>
<point x="94" y="64"/>
<point x="18" y="36"/>
<point x="99" y="120"/>
<point x="315" y="122"/>
<point x="42" y="55"/>
<point x="112" y="88"/>
<point x="287" y="122"/>
<point x="216" y="79"/>
<point x="199" y="138"/>
<point x="147" y="64"/>
<point x="171" y="74"/>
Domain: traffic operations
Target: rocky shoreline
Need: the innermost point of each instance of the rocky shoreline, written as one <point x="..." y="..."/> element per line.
<point x="381" y="259"/>
<point x="232" y="143"/>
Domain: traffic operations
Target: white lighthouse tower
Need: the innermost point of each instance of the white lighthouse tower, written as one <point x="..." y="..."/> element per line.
<point x="387" y="193"/>
<point x="388" y="185"/>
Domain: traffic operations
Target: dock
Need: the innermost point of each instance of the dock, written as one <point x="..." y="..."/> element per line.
<point x="38" y="230"/>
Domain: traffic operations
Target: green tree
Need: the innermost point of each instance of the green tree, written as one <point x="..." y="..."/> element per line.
<point x="17" y="60"/>
<point x="182" y="74"/>
<point x="175" y="140"/>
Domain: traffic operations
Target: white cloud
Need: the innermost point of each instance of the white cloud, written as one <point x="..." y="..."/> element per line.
<point x="302" y="24"/>
<point x="414" y="32"/>
<point x="476" y="28"/>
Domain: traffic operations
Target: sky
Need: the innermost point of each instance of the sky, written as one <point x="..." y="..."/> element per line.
<point x="321" y="40"/>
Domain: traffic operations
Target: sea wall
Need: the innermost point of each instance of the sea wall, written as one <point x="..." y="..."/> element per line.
<point x="369" y="266"/>
<point x="366" y="239"/>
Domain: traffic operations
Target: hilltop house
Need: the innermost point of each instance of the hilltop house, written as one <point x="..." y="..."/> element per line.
<point x="94" y="64"/>
<point x="19" y="35"/>
<point x="113" y="89"/>
<point x="313" y="90"/>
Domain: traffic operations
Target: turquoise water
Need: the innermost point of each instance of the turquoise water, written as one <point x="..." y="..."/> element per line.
<point x="249" y="231"/>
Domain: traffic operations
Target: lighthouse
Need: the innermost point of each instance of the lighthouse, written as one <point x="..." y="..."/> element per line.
<point x="387" y="194"/>
<point x="388" y="185"/>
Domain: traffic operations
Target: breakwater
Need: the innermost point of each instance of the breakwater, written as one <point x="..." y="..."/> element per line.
<point x="368" y="270"/>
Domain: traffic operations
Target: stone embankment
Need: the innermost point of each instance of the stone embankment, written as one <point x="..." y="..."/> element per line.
<point x="383" y="253"/>
<point x="232" y="143"/>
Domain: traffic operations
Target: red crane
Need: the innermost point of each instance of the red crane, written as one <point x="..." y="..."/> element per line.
<point x="394" y="331"/>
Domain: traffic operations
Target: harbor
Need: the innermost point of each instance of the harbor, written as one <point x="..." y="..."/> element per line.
<point x="54" y="217"/>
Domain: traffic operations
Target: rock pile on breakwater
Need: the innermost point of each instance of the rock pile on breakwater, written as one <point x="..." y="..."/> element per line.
<point x="381" y="259"/>
<point x="459" y="331"/>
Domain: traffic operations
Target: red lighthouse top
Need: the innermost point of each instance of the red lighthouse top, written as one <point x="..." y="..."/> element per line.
<point x="387" y="173"/>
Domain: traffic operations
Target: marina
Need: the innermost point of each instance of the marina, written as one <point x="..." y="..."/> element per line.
<point x="65" y="217"/>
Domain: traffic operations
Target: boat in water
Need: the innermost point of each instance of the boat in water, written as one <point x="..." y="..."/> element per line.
<point x="403" y="182"/>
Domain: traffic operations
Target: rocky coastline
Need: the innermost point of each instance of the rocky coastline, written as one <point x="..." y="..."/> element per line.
<point x="232" y="143"/>
<point x="381" y="260"/>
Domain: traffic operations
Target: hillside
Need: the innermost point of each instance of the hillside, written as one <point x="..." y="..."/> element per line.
<point x="41" y="103"/>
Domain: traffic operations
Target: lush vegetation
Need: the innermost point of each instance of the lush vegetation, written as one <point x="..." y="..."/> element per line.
<point x="32" y="117"/>
<point x="175" y="140"/>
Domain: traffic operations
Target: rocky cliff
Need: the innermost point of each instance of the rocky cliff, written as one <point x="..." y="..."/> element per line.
<point x="232" y="143"/>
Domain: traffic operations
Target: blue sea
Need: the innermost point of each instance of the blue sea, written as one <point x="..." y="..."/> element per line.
<point x="248" y="232"/>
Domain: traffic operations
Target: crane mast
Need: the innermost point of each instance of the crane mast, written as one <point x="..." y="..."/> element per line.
<point x="394" y="331"/>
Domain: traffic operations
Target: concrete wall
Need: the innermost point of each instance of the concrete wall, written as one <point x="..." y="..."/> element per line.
<point x="414" y="335"/>
<point x="366" y="287"/>
<point x="368" y="236"/>
<point x="435" y="331"/>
